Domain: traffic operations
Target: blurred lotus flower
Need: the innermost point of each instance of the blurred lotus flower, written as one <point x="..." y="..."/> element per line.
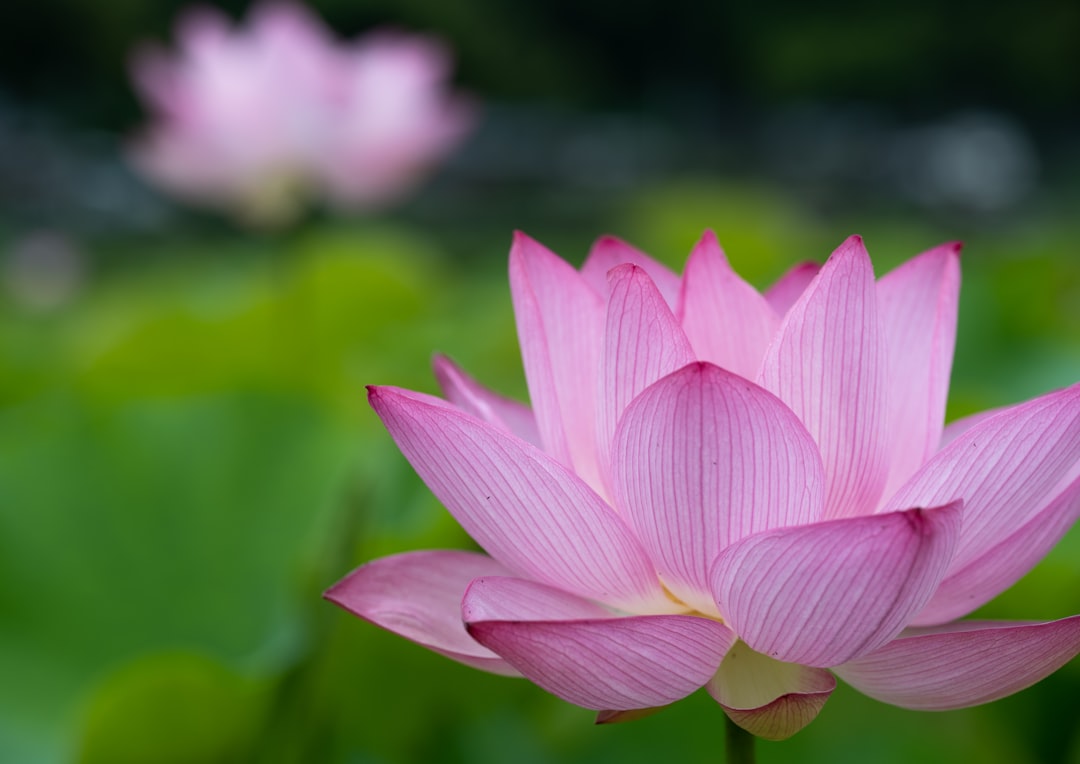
<point x="748" y="492"/>
<point x="257" y="118"/>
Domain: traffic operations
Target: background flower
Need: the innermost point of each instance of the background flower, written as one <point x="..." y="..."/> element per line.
<point x="255" y="119"/>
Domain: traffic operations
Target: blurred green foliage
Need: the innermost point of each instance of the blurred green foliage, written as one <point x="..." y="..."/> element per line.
<point x="187" y="460"/>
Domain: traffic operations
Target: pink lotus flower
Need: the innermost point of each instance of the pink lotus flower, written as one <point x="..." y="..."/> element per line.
<point x="253" y="119"/>
<point x="748" y="492"/>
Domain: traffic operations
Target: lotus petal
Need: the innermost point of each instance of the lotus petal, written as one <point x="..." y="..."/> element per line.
<point x="828" y="364"/>
<point x="963" y="664"/>
<point x="826" y="593"/>
<point x="418" y="595"/>
<point x="703" y="458"/>
<point x="527" y="510"/>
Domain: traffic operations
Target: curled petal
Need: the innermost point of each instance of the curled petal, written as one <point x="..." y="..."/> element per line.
<point x="418" y="596"/>
<point x="469" y="395"/>
<point x="964" y="663"/>
<point x="828" y="364"/>
<point x="606" y="663"/>
<point x="560" y="320"/>
<point x="826" y="593"/>
<point x="767" y="698"/>
<point x="609" y="252"/>
<point x="524" y="508"/>
<point x="703" y="458"/>
<point x="728" y="322"/>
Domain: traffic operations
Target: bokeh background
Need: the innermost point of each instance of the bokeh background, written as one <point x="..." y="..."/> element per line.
<point x="186" y="456"/>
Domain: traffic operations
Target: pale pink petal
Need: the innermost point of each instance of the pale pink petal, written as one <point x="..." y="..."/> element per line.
<point x="917" y="303"/>
<point x="469" y="395"/>
<point x="828" y="365"/>
<point x="560" y="321"/>
<point x="642" y="343"/>
<point x="770" y="699"/>
<point x="703" y="458"/>
<point x="823" y="594"/>
<point x="727" y="321"/>
<point x="964" y="664"/>
<point x="606" y="663"/>
<point x="519" y="504"/>
<point x="954" y="429"/>
<point x="418" y="596"/>
<point x="503" y="598"/>
<point x="609" y="252"/>
<point x="786" y="292"/>
<point x="1005" y="468"/>
<point x="1001" y="566"/>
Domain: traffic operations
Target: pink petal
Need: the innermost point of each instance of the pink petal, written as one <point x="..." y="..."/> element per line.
<point x="560" y="321"/>
<point x="606" y="663"/>
<point x="519" y="504"/>
<point x="642" y="343"/>
<point x="963" y="664"/>
<point x="703" y="458"/>
<point x="418" y="596"/>
<point x="1006" y="468"/>
<point x="828" y="365"/>
<point x="954" y="429"/>
<point x="503" y="598"/>
<point x="823" y="594"/>
<point x="728" y="322"/>
<point x="469" y="395"/>
<point x="1001" y="566"/>
<point x="770" y="699"/>
<point x="609" y="252"/>
<point x="917" y="304"/>
<point x="786" y="292"/>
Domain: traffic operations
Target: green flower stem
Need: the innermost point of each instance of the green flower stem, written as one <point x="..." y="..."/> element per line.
<point x="739" y="744"/>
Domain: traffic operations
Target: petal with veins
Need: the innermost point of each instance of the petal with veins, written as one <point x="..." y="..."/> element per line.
<point x="828" y="364"/>
<point x="727" y="321"/>
<point x="418" y="596"/>
<point x="605" y="663"/>
<point x="826" y="593"/>
<point x="469" y="395"/>
<point x="703" y="458"/>
<point x="964" y="663"/>
<point x="524" y="508"/>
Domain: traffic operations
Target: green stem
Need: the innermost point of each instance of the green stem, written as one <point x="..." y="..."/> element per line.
<point x="739" y="744"/>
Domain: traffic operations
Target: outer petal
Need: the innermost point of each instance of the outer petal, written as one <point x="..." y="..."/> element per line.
<point x="418" y="596"/>
<point x="642" y="343"/>
<point x="605" y="663"/>
<point x="786" y="292"/>
<point x="560" y="321"/>
<point x="728" y="322"/>
<point x="824" y="594"/>
<point x="703" y="458"/>
<point x="1006" y="468"/>
<point x="918" y="303"/>
<point x="523" y="507"/>
<point x="963" y="664"/>
<point x="828" y="365"/>
<point x="609" y="252"/>
<point x="469" y="395"/>
<point x="1001" y="566"/>
<point x="770" y="699"/>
